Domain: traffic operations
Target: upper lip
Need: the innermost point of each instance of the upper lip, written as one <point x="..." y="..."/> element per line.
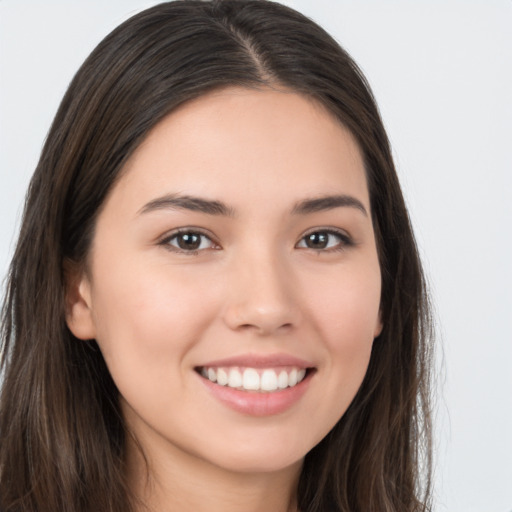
<point x="260" y="361"/>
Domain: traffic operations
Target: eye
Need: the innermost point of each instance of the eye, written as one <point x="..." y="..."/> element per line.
<point x="325" y="239"/>
<point x="189" y="241"/>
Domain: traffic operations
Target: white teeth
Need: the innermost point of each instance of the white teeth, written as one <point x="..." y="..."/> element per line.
<point x="282" y="380"/>
<point x="235" y="379"/>
<point x="222" y="377"/>
<point x="250" y="379"/>
<point x="269" y="380"/>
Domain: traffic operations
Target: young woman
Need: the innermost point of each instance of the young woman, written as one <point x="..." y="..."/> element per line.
<point x="216" y="301"/>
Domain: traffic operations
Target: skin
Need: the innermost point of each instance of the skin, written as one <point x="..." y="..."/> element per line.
<point x="254" y="287"/>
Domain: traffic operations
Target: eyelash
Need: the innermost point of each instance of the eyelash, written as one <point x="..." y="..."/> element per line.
<point x="183" y="232"/>
<point x="344" y="241"/>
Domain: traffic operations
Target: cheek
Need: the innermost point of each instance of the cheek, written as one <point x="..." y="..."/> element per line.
<point x="347" y="315"/>
<point x="147" y="319"/>
<point x="346" y="308"/>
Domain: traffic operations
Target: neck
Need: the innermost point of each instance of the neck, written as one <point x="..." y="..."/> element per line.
<point x="181" y="483"/>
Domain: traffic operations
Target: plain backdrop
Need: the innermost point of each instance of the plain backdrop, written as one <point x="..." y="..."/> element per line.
<point x="442" y="75"/>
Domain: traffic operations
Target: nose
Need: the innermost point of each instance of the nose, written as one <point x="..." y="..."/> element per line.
<point x="262" y="297"/>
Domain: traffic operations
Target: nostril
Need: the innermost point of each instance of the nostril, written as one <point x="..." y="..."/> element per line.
<point x="262" y="310"/>
<point x="265" y="328"/>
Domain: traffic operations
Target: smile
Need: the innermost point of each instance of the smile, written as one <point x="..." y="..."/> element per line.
<point x="258" y="384"/>
<point x="263" y="380"/>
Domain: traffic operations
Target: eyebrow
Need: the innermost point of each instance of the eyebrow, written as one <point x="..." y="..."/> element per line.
<point x="213" y="207"/>
<point x="195" y="204"/>
<point x="323" y="203"/>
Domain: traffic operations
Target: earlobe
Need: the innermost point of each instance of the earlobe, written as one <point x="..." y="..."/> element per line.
<point x="79" y="317"/>
<point x="378" y="326"/>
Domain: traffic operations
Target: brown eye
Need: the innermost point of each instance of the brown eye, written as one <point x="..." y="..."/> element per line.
<point x="317" y="240"/>
<point x="324" y="240"/>
<point x="189" y="241"/>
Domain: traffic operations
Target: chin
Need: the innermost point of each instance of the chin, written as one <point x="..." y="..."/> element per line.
<point x="259" y="465"/>
<point x="256" y="457"/>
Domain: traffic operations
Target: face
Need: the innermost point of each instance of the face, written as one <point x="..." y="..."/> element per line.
<point x="233" y="283"/>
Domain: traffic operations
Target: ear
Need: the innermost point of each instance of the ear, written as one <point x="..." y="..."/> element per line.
<point x="79" y="317"/>
<point x="378" y="325"/>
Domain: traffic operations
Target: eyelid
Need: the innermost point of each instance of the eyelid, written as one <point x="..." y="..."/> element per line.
<point x="165" y="239"/>
<point x="346" y="239"/>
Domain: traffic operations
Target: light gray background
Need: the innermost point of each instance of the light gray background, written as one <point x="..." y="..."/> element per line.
<point x="442" y="75"/>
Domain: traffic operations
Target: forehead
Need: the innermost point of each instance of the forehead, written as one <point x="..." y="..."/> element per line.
<point x="240" y="141"/>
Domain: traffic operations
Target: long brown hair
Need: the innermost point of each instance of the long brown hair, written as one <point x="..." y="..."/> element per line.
<point x="62" y="435"/>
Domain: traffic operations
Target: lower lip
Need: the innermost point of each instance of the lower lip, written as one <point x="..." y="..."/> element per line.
<point x="255" y="403"/>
